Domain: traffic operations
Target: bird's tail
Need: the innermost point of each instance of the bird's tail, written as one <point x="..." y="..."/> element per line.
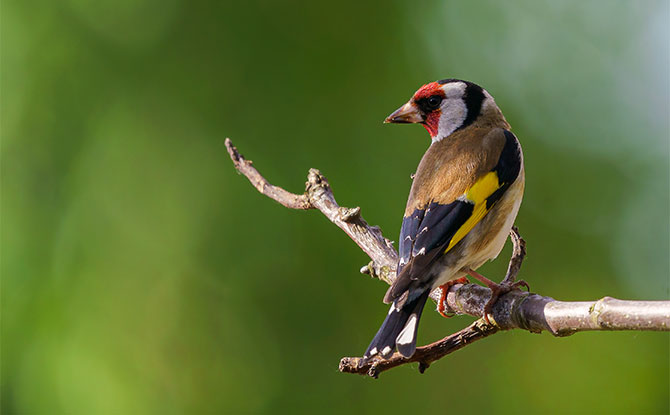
<point x="398" y="329"/>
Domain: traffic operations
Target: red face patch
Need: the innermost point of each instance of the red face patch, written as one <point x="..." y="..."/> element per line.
<point x="428" y="90"/>
<point x="432" y="122"/>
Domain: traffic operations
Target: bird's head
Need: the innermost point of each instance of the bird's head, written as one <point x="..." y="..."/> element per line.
<point x="449" y="105"/>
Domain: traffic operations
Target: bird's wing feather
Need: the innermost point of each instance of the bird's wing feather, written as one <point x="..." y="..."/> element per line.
<point x="429" y="232"/>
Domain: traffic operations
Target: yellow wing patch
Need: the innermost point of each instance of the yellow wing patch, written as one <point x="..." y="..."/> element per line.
<point x="477" y="194"/>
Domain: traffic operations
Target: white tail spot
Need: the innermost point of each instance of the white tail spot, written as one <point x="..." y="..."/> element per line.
<point x="407" y="334"/>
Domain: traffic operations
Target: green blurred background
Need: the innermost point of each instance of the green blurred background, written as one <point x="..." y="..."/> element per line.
<point x="141" y="274"/>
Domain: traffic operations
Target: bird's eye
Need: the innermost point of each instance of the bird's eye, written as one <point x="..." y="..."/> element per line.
<point x="434" y="101"/>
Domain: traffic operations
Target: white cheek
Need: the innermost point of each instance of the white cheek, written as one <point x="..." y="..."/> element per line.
<point x="453" y="113"/>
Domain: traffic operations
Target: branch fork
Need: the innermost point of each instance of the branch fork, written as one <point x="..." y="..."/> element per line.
<point x="515" y="309"/>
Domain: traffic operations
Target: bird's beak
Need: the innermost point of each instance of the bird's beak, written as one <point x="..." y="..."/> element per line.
<point x="408" y="113"/>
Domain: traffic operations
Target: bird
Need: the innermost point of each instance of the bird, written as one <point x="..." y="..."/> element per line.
<point x="464" y="199"/>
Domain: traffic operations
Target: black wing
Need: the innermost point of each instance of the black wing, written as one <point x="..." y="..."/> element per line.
<point x="424" y="236"/>
<point x="508" y="167"/>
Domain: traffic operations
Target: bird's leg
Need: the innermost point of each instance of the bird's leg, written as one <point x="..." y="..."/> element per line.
<point x="496" y="290"/>
<point x="441" y="308"/>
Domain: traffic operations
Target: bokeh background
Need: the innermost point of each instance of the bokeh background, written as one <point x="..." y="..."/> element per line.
<point x="141" y="274"/>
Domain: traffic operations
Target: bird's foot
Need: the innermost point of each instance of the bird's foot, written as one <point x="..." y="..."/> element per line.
<point x="496" y="290"/>
<point x="441" y="307"/>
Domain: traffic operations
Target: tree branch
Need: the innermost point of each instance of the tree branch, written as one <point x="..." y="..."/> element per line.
<point x="318" y="195"/>
<point x="423" y="355"/>
<point x="513" y="310"/>
<point x="246" y="167"/>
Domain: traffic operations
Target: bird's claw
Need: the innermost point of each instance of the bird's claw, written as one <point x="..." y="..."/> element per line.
<point x="441" y="306"/>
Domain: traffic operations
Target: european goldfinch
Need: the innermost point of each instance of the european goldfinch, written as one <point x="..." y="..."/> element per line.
<point x="465" y="196"/>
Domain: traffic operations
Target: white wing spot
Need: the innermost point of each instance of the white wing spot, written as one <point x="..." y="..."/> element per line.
<point x="386" y="351"/>
<point x="392" y="309"/>
<point x="422" y="251"/>
<point x="463" y="198"/>
<point x="373" y="352"/>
